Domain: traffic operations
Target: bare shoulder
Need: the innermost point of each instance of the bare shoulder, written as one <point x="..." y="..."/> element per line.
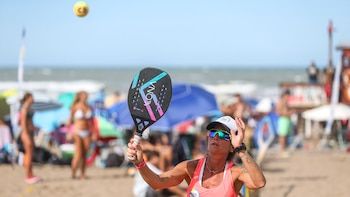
<point x="189" y="166"/>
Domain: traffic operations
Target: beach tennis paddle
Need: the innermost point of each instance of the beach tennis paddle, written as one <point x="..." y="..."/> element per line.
<point x="149" y="97"/>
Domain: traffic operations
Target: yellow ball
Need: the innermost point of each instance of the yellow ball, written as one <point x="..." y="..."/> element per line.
<point x="81" y="8"/>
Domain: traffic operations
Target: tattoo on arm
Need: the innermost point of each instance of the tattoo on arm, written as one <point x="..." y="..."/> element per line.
<point x="243" y="170"/>
<point x="247" y="158"/>
<point x="164" y="179"/>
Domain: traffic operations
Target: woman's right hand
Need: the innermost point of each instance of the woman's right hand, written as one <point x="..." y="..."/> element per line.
<point x="134" y="152"/>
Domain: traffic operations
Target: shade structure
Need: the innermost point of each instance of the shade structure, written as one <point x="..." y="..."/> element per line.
<point x="45" y="106"/>
<point x="341" y="112"/>
<point x="50" y="120"/>
<point x="188" y="102"/>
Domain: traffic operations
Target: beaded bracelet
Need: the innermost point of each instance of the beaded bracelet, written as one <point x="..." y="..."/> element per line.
<point x="140" y="165"/>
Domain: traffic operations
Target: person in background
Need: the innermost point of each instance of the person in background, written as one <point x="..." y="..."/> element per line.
<point x="312" y="72"/>
<point x="163" y="146"/>
<point x="27" y="136"/>
<point x="5" y="140"/>
<point x="197" y="152"/>
<point x="112" y="99"/>
<point x="328" y="81"/>
<point x="284" y="122"/>
<point x="81" y="117"/>
<point x="239" y="108"/>
<point x="142" y="189"/>
<point x="234" y="107"/>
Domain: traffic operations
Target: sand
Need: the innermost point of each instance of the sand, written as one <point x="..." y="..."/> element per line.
<point x="308" y="173"/>
<point x="305" y="173"/>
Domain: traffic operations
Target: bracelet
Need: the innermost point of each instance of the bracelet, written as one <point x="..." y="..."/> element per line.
<point x="140" y="165"/>
<point x="240" y="148"/>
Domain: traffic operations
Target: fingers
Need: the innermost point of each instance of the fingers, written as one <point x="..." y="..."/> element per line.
<point x="132" y="151"/>
<point x="240" y="127"/>
<point x="240" y="123"/>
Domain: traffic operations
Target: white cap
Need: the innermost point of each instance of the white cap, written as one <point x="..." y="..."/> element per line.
<point x="264" y="106"/>
<point x="227" y="121"/>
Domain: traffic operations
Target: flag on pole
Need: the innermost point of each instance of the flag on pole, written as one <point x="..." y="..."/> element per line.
<point x="20" y="71"/>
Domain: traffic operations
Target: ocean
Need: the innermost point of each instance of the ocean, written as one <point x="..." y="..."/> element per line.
<point x="119" y="79"/>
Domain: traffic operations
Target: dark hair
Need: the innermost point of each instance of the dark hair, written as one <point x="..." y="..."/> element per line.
<point x="230" y="156"/>
<point x="25" y="97"/>
<point x="286" y="92"/>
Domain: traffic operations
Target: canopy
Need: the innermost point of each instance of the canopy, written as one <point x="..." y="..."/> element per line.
<point x="188" y="102"/>
<point x="45" y="106"/>
<point x="49" y="120"/>
<point x="341" y="112"/>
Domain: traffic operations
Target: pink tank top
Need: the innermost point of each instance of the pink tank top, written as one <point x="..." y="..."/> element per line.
<point x="225" y="188"/>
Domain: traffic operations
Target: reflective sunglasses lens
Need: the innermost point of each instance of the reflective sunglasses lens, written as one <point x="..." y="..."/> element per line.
<point x="222" y="135"/>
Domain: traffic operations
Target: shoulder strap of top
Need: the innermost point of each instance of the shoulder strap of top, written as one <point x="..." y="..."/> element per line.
<point x="230" y="165"/>
<point x="195" y="176"/>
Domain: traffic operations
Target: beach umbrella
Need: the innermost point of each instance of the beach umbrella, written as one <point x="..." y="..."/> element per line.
<point x="188" y="102"/>
<point x="106" y="129"/>
<point x="49" y="120"/>
<point x="341" y="112"/>
<point x="66" y="99"/>
<point x="45" y="106"/>
<point x="120" y="115"/>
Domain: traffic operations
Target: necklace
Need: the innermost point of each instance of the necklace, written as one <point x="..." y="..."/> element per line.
<point x="212" y="171"/>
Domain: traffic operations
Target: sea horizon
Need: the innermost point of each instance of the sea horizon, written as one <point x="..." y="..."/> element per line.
<point x="118" y="78"/>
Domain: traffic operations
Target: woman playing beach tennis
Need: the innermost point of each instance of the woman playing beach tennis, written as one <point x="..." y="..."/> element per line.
<point x="214" y="174"/>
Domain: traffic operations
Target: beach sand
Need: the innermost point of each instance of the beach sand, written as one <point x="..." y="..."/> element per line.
<point x="305" y="173"/>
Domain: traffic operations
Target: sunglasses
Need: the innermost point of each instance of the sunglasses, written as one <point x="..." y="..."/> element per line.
<point x="223" y="135"/>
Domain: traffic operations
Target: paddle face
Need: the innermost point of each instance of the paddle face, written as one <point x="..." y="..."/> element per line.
<point x="149" y="97"/>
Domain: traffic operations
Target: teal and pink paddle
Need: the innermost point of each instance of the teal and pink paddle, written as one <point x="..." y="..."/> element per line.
<point x="149" y="97"/>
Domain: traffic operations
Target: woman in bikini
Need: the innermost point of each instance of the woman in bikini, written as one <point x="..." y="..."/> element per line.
<point x="81" y="118"/>
<point x="27" y="136"/>
<point x="215" y="173"/>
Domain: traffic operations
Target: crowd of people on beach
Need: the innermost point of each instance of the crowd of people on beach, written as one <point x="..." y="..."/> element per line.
<point x="162" y="151"/>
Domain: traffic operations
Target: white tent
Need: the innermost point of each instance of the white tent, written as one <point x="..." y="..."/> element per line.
<point x="341" y="112"/>
<point x="323" y="113"/>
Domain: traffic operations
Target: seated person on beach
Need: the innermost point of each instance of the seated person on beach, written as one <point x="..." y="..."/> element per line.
<point x="161" y="144"/>
<point x="142" y="189"/>
<point x="213" y="175"/>
<point x="5" y="140"/>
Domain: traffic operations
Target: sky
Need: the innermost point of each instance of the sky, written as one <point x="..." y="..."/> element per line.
<point x="172" y="33"/>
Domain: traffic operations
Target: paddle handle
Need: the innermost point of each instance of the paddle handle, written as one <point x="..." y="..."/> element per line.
<point x="137" y="139"/>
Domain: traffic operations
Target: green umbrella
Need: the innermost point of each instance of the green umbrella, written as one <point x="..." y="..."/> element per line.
<point x="107" y="129"/>
<point x="66" y="99"/>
